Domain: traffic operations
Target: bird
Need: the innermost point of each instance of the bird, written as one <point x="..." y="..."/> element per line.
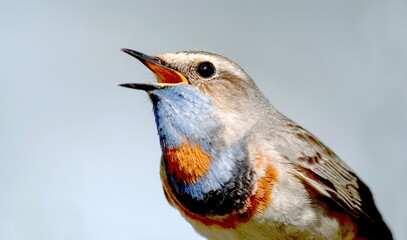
<point x="238" y="169"/>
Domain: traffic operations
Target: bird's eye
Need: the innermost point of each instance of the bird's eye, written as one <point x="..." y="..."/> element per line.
<point x="206" y="69"/>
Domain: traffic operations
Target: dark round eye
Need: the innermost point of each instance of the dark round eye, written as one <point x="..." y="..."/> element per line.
<point x="206" y="69"/>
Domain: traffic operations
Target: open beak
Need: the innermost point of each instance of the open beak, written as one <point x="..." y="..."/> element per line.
<point x="165" y="75"/>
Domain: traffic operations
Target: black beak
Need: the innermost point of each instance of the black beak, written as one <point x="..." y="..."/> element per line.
<point x="166" y="76"/>
<point x="142" y="86"/>
<point x="142" y="57"/>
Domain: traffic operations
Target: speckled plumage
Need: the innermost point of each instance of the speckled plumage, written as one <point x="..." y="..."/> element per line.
<point x="236" y="168"/>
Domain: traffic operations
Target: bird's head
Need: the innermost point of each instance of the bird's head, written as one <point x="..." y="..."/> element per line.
<point x="212" y="74"/>
<point x="204" y="83"/>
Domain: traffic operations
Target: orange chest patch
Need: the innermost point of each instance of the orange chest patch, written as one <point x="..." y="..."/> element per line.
<point x="188" y="163"/>
<point x="255" y="204"/>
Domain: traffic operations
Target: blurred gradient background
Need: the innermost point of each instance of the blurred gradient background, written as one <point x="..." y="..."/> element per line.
<point x="79" y="156"/>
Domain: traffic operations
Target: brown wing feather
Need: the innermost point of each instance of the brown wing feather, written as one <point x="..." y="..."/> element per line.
<point x="320" y="169"/>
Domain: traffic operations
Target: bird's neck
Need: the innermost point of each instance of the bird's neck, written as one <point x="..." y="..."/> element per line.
<point x="206" y="176"/>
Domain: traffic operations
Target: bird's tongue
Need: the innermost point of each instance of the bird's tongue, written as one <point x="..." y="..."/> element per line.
<point x="165" y="74"/>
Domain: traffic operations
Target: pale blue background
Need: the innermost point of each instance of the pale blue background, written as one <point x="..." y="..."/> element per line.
<point x="79" y="156"/>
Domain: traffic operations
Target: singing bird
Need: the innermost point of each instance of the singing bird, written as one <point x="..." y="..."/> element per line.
<point x="238" y="169"/>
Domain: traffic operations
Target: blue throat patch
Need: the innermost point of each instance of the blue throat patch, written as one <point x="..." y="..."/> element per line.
<point x="183" y="113"/>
